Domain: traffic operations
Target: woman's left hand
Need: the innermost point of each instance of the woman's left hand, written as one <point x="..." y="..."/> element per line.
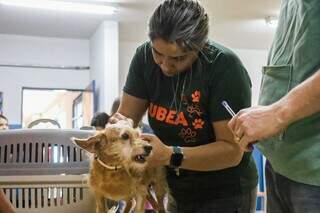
<point x="161" y="153"/>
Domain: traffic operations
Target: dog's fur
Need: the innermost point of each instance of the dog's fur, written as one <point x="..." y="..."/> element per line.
<point x="128" y="176"/>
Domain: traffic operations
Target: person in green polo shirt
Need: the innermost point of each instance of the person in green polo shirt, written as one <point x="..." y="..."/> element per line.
<point x="181" y="77"/>
<point x="287" y="125"/>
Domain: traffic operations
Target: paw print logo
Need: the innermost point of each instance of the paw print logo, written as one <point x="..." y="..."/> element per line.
<point x="196" y="96"/>
<point x="188" y="135"/>
<point x="194" y="108"/>
<point x="198" y="123"/>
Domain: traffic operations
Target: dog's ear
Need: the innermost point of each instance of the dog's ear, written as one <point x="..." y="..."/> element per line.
<point x="88" y="144"/>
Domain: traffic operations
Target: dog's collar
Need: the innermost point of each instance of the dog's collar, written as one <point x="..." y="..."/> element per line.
<point x="115" y="168"/>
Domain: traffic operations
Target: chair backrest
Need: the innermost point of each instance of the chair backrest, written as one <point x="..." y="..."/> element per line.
<point x="33" y="124"/>
<point x="261" y="192"/>
<point x="42" y="152"/>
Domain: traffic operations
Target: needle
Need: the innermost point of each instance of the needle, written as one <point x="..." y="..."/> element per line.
<point x="228" y="108"/>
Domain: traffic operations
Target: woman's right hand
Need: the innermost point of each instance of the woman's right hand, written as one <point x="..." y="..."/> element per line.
<point x="116" y="117"/>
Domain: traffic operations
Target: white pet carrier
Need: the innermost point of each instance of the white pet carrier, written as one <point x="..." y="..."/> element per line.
<point x="43" y="171"/>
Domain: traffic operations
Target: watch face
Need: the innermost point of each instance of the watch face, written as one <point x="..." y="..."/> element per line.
<point x="179" y="157"/>
<point x="176" y="157"/>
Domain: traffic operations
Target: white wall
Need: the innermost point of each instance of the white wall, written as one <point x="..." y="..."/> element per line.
<point x="104" y="63"/>
<point x="97" y="64"/>
<point x="252" y="59"/>
<point x="126" y="51"/>
<point x="44" y="51"/>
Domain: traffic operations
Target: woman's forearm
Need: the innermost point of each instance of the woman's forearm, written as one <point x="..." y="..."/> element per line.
<point x="214" y="156"/>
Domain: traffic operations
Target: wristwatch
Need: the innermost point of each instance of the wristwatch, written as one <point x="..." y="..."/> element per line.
<point x="176" y="158"/>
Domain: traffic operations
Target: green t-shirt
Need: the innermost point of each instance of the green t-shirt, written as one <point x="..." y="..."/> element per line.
<point x="183" y="107"/>
<point x="294" y="56"/>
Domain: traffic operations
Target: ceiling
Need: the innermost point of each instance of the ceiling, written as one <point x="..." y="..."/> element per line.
<point x="236" y="23"/>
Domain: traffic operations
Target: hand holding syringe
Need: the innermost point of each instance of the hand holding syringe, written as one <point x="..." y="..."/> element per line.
<point x="233" y="114"/>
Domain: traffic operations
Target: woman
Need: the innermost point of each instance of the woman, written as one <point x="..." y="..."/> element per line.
<point x="181" y="78"/>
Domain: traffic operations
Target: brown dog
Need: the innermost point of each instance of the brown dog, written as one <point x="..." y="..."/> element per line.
<point x="119" y="169"/>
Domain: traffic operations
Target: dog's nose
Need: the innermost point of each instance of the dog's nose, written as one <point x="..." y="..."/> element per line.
<point x="147" y="149"/>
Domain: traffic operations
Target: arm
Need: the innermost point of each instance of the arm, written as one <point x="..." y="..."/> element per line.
<point x="5" y="205"/>
<point x="134" y="102"/>
<point x="261" y="122"/>
<point x="222" y="154"/>
<point x="130" y="107"/>
<point x="302" y="101"/>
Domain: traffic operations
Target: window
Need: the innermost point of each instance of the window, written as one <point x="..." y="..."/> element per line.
<point x="77" y="117"/>
<point x="70" y="108"/>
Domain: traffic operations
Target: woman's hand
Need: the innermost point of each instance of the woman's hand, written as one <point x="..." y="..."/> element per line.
<point x="161" y="153"/>
<point x="116" y="117"/>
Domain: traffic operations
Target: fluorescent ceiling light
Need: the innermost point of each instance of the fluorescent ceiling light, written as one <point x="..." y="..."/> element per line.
<point x="271" y="21"/>
<point x="61" y="5"/>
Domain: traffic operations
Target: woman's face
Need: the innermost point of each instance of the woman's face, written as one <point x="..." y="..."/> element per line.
<point x="171" y="58"/>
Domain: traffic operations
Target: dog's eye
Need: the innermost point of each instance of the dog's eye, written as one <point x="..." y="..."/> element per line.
<point x="125" y="136"/>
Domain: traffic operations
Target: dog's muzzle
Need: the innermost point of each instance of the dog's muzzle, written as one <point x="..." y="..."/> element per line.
<point x="142" y="158"/>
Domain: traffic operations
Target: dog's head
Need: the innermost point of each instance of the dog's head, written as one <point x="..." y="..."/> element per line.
<point x="118" y="144"/>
